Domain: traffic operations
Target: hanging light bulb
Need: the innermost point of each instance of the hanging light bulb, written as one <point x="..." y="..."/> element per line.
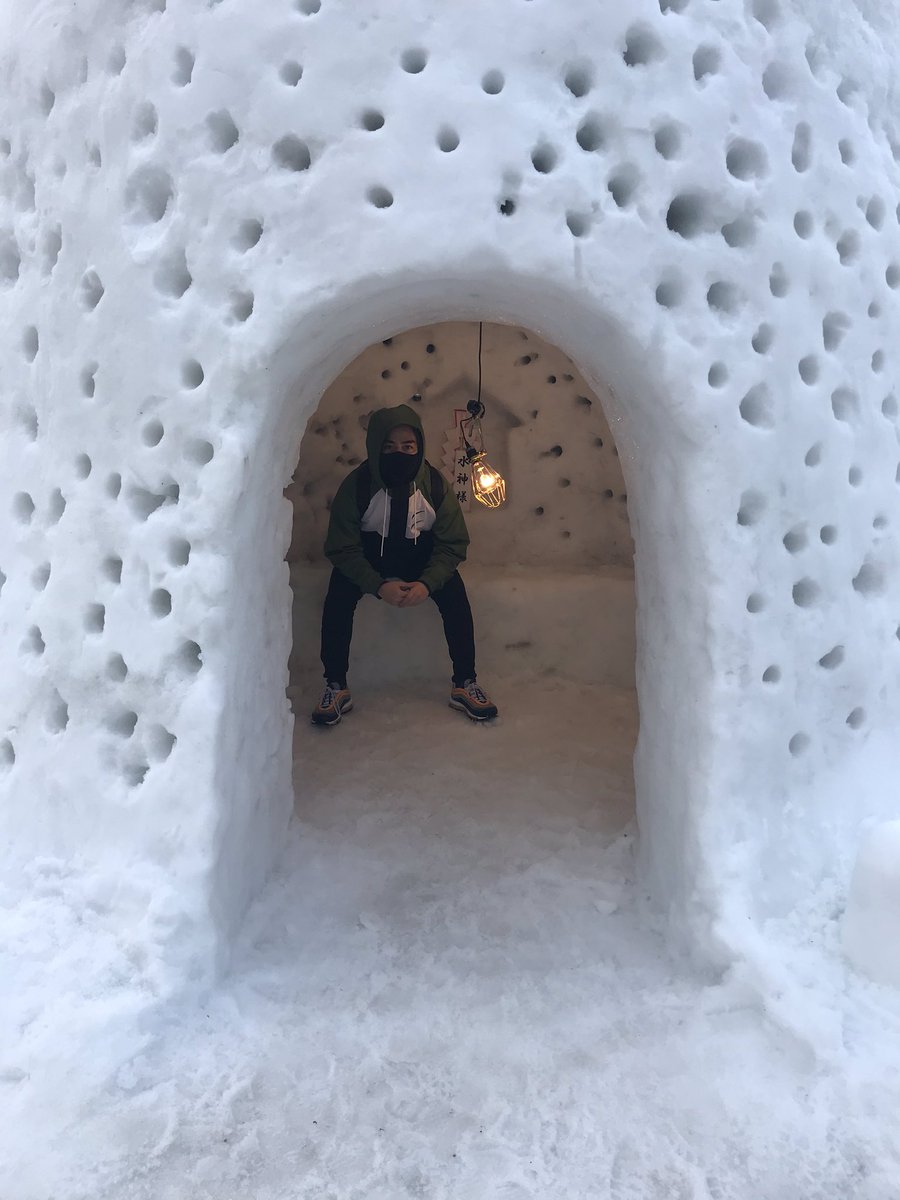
<point x="488" y="485"/>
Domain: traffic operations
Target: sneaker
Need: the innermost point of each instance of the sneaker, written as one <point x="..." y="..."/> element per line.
<point x="336" y="700"/>
<point x="471" y="700"/>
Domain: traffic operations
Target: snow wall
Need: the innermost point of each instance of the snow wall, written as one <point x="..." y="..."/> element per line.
<point x="208" y="210"/>
<point x="550" y="574"/>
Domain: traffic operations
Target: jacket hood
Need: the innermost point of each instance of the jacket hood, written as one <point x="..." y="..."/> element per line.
<point x="381" y="423"/>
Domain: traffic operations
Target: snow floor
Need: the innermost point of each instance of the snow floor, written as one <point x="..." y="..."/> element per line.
<point x="452" y="988"/>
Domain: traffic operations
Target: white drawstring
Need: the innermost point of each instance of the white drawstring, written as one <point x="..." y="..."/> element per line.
<point x="387" y="501"/>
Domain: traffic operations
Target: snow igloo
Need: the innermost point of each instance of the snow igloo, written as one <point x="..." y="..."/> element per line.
<point x="210" y="210"/>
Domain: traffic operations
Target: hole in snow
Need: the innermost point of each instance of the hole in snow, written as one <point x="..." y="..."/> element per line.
<point x="152" y="433"/>
<point x="134" y="772"/>
<point x="623" y="185"/>
<point x="579" y="224"/>
<point x="847" y="246"/>
<point x="372" y="120"/>
<point x="777" y="81"/>
<point x="414" y="60"/>
<point x="88" y="379"/>
<point x="857" y="718"/>
<point x="809" y="369"/>
<point x="309" y="8"/>
<point x="740" y="232"/>
<point x="249" y="231"/>
<point x="718" y="375"/>
<point x="803" y="224"/>
<point x="56" y="506"/>
<point x="112" y="568"/>
<point x="689" y="215"/>
<point x="723" y="297"/>
<point x="91" y="290"/>
<point x="223" y="133"/>
<point x="57" y="714"/>
<point x="579" y="80"/>
<point x="160" y="743"/>
<point x="10" y="260"/>
<point x="869" y="580"/>
<point x="845" y="405"/>
<point x="763" y="338"/>
<point x="242" y="305"/>
<point x="291" y="154"/>
<point x="117" y="670"/>
<point x="380" y="197"/>
<point x="189" y="658"/>
<point x="160" y="602"/>
<point x="184" y="67"/>
<point x="706" y="60"/>
<point x="813" y="455"/>
<point x="756" y="407"/>
<point x="591" y="133"/>
<point x="847" y="152"/>
<point x="806" y="593"/>
<point x="753" y="505"/>
<point x="83" y="466"/>
<point x="113" y="485"/>
<point x="875" y="212"/>
<point x="544" y="158"/>
<point x="143" y="502"/>
<point x="448" y="139"/>
<point x="795" y="539"/>
<point x="889" y="407"/>
<point x="290" y="72"/>
<point x="122" y="723"/>
<point x="33" y="643"/>
<point x="7" y="754"/>
<point x="832" y="659"/>
<point x="779" y="284"/>
<point x="23" y="508"/>
<point x="828" y="535"/>
<point x="772" y="675"/>
<point x="669" y="293"/>
<point x="94" y="619"/>
<point x="172" y="277"/>
<point x="148" y="193"/>
<point x="492" y="82"/>
<point x="745" y="159"/>
<point x="834" y="328"/>
<point x="144" y="123"/>
<point x="855" y="476"/>
<point x="667" y="141"/>
<point x="198" y="451"/>
<point x="115" y="63"/>
<point x="179" y="552"/>
<point x="799" y="744"/>
<point x="801" y="151"/>
<point x="30" y="343"/>
<point x="756" y="602"/>
<point x="892" y="276"/>
<point x="642" y="47"/>
<point x="191" y="373"/>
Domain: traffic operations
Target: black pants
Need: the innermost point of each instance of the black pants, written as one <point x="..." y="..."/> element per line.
<point x="337" y="627"/>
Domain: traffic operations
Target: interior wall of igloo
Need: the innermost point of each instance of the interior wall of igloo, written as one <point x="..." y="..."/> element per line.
<point x="550" y="573"/>
<point x="201" y="205"/>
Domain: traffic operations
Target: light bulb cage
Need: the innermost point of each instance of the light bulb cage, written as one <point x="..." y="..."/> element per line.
<point x="488" y="485"/>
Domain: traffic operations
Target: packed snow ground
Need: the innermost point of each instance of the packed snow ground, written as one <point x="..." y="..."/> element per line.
<point x="450" y="989"/>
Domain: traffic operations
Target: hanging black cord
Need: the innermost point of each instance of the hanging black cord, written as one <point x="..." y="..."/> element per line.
<point x="475" y="407"/>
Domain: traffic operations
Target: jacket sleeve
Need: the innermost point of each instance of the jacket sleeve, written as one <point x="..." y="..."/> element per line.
<point x="451" y="542"/>
<point x="343" y="544"/>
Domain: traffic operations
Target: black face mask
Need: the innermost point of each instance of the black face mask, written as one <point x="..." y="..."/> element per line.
<point x="397" y="469"/>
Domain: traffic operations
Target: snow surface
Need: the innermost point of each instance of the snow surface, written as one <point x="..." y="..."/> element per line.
<point x="872" y="919"/>
<point x="207" y="212"/>
<point x="451" y="989"/>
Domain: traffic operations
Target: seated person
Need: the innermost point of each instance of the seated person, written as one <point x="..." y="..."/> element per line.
<point x="397" y="532"/>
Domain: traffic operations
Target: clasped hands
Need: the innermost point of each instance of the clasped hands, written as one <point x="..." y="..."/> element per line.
<point x="402" y="595"/>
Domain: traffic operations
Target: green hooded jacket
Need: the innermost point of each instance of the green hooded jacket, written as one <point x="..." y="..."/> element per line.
<point x="343" y="545"/>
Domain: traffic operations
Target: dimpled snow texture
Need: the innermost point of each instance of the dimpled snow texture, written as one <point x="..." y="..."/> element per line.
<point x="209" y="210"/>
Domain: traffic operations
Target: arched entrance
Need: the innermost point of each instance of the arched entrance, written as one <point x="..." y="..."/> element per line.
<point x="655" y="451"/>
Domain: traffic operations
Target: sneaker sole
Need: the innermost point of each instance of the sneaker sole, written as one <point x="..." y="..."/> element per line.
<point x="472" y="716"/>
<point x="317" y="720"/>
